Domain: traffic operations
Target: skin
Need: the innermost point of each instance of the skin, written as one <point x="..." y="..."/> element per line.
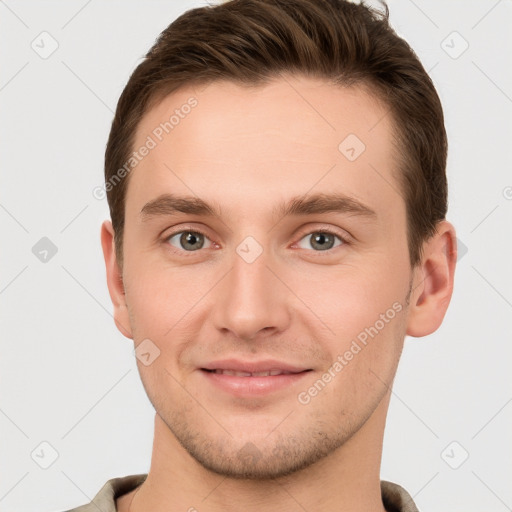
<point x="248" y="150"/>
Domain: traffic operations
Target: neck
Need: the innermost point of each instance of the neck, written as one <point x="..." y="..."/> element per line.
<point x="346" y="480"/>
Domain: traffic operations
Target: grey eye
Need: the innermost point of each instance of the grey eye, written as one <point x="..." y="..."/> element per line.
<point x="319" y="241"/>
<point x="188" y="240"/>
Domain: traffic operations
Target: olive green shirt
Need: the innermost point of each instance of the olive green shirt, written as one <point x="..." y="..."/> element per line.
<point x="394" y="497"/>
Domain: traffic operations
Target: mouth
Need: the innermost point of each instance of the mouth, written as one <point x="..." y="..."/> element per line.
<point x="265" y="373"/>
<point x="246" y="379"/>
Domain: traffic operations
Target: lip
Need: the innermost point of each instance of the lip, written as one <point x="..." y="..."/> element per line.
<point x="252" y="385"/>
<point x="253" y="366"/>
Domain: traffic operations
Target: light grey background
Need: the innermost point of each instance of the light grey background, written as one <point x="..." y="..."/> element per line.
<point x="68" y="377"/>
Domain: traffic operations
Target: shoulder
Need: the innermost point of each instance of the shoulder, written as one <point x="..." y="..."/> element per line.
<point x="396" y="498"/>
<point x="104" y="499"/>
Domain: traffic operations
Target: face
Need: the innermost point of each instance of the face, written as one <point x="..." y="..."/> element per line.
<point x="266" y="264"/>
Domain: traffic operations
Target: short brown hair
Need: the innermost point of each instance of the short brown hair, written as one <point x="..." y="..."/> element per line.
<point x="252" y="41"/>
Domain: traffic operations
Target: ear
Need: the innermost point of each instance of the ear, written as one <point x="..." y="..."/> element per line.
<point x="433" y="282"/>
<point x="115" y="280"/>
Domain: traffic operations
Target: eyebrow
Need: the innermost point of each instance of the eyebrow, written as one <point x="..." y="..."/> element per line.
<point x="171" y="204"/>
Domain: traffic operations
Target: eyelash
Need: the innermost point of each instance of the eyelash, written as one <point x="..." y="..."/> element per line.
<point x="344" y="240"/>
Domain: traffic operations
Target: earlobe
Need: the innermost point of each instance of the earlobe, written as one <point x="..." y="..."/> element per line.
<point x="115" y="280"/>
<point x="433" y="282"/>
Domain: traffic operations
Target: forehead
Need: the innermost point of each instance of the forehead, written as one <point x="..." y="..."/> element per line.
<point x="233" y="144"/>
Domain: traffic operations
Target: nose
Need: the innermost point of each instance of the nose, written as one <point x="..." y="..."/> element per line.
<point x="251" y="301"/>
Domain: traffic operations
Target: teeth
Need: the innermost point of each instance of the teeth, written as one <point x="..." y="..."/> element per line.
<point x="231" y="372"/>
<point x="267" y="373"/>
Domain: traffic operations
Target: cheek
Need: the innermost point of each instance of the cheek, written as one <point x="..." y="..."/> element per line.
<point x="366" y="350"/>
<point x="365" y="313"/>
<point x="350" y="299"/>
<point x="161" y="298"/>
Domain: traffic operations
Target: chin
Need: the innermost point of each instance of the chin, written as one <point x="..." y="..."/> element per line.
<point x="262" y="459"/>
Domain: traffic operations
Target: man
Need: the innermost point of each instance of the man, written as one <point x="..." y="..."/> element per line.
<point x="276" y="180"/>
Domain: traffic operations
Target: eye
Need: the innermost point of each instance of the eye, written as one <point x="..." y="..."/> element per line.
<point x="320" y="241"/>
<point x="189" y="240"/>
